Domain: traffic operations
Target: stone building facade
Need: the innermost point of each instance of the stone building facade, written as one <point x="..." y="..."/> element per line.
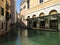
<point x="41" y="13"/>
<point x="5" y="13"/>
<point x="13" y="11"/>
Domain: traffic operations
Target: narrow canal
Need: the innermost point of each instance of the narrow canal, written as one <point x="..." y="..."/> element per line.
<point x="34" y="38"/>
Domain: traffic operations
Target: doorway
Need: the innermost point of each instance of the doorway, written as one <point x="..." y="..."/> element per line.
<point x="42" y="24"/>
<point x="34" y="24"/>
<point x="53" y="24"/>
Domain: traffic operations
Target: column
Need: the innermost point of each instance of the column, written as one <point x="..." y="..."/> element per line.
<point x="38" y="24"/>
<point x="47" y="23"/>
<point x="31" y="24"/>
<point x="58" y="23"/>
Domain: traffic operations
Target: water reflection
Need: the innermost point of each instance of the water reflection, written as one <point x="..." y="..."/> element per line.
<point x="41" y="38"/>
<point x="9" y="39"/>
<point x="30" y="37"/>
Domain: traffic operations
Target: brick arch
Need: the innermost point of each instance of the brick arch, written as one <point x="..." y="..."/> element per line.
<point x="52" y="12"/>
<point x="41" y="14"/>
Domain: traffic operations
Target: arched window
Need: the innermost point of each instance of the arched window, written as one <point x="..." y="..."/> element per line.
<point x="33" y="16"/>
<point x="28" y="17"/>
<point x="41" y="14"/>
<point x="53" y="12"/>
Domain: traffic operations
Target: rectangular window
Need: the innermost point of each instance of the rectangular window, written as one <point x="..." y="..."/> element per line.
<point x="41" y="1"/>
<point x="7" y="5"/>
<point x="7" y="16"/>
<point x="28" y="4"/>
<point x="2" y="11"/>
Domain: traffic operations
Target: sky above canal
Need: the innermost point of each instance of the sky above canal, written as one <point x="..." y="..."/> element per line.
<point x="18" y="2"/>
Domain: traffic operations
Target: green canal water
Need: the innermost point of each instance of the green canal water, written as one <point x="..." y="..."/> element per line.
<point x="34" y="38"/>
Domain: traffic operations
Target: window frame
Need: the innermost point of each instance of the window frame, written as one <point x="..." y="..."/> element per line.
<point x="41" y="1"/>
<point x="2" y="11"/>
<point x="28" y="4"/>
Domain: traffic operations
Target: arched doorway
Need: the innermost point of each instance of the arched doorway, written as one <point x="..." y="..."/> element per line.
<point x="29" y="22"/>
<point x="34" y="16"/>
<point x="41" y="14"/>
<point x="53" y="24"/>
<point x="28" y="17"/>
<point x="34" y="21"/>
<point x="52" y="12"/>
<point x="42" y="21"/>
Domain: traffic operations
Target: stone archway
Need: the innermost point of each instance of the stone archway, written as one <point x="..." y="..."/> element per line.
<point x="34" y="16"/>
<point x="52" y="12"/>
<point x="41" y="14"/>
<point x="53" y="23"/>
<point x="28" y="17"/>
<point x="41" y="23"/>
<point x="28" y="22"/>
<point x="34" y="22"/>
